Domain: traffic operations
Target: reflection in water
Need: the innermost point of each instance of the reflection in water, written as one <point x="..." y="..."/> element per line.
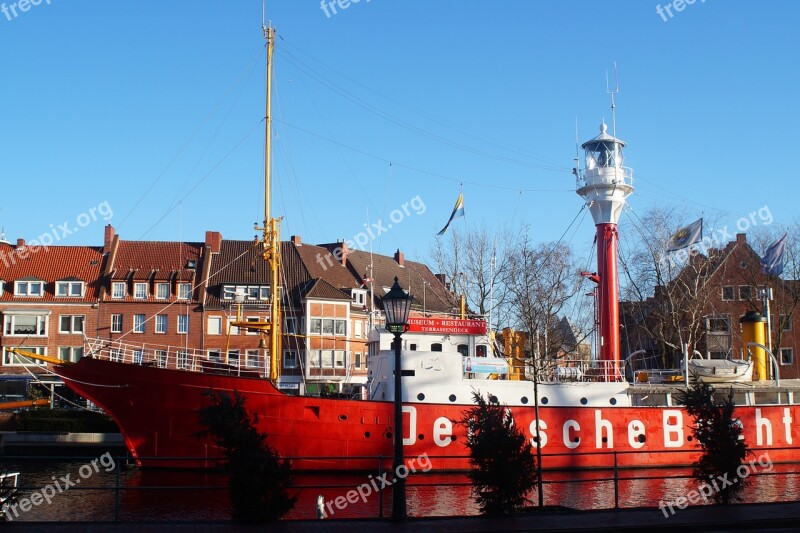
<point x="200" y="496"/>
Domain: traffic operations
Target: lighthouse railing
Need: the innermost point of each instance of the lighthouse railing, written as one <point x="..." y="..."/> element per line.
<point x="604" y="176"/>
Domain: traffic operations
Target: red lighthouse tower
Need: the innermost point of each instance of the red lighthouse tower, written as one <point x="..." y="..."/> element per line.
<point x="605" y="184"/>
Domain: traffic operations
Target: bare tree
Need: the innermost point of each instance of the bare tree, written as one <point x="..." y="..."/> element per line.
<point x="477" y="264"/>
<point x="666" y="294"/>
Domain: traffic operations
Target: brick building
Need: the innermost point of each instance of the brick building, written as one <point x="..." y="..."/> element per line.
<point x="728" y="283"/>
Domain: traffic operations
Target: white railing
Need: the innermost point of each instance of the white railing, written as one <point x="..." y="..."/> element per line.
<point x="584" y="371"/>
<point x="174" y="357"/>
<point x="605" y="176"/>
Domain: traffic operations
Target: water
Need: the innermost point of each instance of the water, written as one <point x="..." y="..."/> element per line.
<point x="201" y="496"/>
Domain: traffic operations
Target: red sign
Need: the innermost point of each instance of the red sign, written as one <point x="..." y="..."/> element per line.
<point x="447" y="325"/>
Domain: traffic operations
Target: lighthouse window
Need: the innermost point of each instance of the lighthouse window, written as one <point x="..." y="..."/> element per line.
<point x="436" y="347"/>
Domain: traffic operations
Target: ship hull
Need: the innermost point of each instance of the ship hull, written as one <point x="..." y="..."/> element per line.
<point x="157" y="411"/>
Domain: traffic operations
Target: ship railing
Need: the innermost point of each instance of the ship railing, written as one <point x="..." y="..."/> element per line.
<point x="605" y="176"/>
<point x="161" y="356"/>
<point x="565" y="370"/>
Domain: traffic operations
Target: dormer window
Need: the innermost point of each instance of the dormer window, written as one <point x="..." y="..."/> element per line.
<point x="191" y="264"/>
<point x="140" y="291"/>
<point x="69" y="289"/>
<point x="184" y="291"/>
<point x="30" y="289"/>
<point x="162" y="291"/>
<point x="2" y="287"/>
<point x="359" y="297"/>
<point x="118" y="290"/>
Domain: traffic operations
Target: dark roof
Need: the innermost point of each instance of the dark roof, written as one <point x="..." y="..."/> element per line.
<point x="321" y="289"/>
<point x="151" y="260"/>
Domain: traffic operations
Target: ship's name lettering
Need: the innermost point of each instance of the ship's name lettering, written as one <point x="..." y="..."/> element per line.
<point x="673" y="430"/>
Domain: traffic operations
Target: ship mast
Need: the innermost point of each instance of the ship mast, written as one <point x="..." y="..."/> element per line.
<point x="270" y="239"/>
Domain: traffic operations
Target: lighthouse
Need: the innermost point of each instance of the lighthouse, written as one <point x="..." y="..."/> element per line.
<point x="604" y="184"/>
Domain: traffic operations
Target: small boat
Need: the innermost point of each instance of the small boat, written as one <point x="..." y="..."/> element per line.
<point x="721" y="370"/>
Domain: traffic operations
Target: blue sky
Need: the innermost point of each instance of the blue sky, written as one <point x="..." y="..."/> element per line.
<point x="154" y="109"/>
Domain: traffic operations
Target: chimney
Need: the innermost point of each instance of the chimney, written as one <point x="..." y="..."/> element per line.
<point x="343" y="247"/>
<point x="296" y="240"/>
<point x="399" y="258"/>
<point x="213" y="241"/>
<point x="442" y="278"/>
<point x="20" y="243"/>
<point x="741" y="238"/>
<point x="108" y="238"/>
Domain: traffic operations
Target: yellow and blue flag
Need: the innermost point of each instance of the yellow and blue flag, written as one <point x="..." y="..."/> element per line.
<point x="458" y="211"/>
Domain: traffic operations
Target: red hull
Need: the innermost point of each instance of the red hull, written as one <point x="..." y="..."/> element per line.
<point x="157" y="410"/>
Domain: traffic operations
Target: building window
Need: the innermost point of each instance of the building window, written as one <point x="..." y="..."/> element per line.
<point x="326" y="356"/>
<point x="719" y="324"/>
<point x="315" y="326"/>
<point x="289" y="359"/>
<point x="785" y="322"/>
<point x="162" y="291"/>
<point x="233" y="357"/>
<point x="215" y="355"/>
<point x="138" y="357"/>
<point x="138" y="323"/>
<point x="215" y="325"/>
<point x="27" y="325"/>
<point x="787" y="356"/>
<point x="359" y="329"/>
<point x="463" y="349"/>
<point x="436" y="347"/>
<point x="11" y="359"/>
<point x="251" y="358"/>
<point x="32" y="289"/>
<point x="358" y="359"/>
<point x="480" y="350"/>
<point x="161" y="323"/>
<point x="183" y="323"/>
<point x="251" y="319"/>
<point x="2" y="287"/>
<point x="184" y="291"/>
<point x="70" y="324"/>
<point x="339" y="358"/>
<point x="728" y="293"/>
<point x="291" y="325"/>
<point x="183" y="360"/>
<point x="118" y="290"/>
<point x="69" y="289"/>
<point x="116" y="323"/>
<point x="744" y="292"/>
<point x="115" y="355"/>
<point x="161" y="357"/>
<point x="359" y="297"/>
<point x="232" y="330"/>
<point x="140" y="291"/>
<point x="70" y="353"/>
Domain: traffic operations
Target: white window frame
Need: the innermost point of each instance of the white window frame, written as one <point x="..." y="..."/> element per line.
<point x="791" y="356"/>
<point x="70" y="353"/>
<point x="359" y="329"/>
<point x="749" y="290"/>
<point x="339" y="359"/>
<point x="233" y="330"/>
<point x="118" y="290"/>
<point x="9" y="358"/>
<point x="359" y="297"/>
<point x="28" y="292"/>
<point x="358" y="360"/>
<point x="234" y="353"/>
<point x="251" y="319"/>
<point x="140" y="290"/>
<point x="733" y="293"/>
<point x="183" y="324"/>
<point x="214" y="325"/>
<point x="10" y="323"/>
<point x="184" y="291"/>
<point x="139" y="320"/>
<point x="77" y="324"/>
<point x="116" y="328"/>
<point x="162" y="291"/>
<point x="162" y="324"/>
<point x="252" y="358"/>
<point x="785" y="320"/>
<point x="69" y="289"/>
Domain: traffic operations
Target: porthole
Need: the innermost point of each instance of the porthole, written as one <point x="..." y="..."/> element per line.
<point x="613" y="401"/>
<point x="421" y="436"/>
<point x="342" y="417"/>
<point x="388" y="435"/>
<point x="584" y="401"/>
<point x="367" y="434"/>
<point x="420" y="396"/>
<point x="544" y="400"/>
<point x="524" y="400"/>
<point x="452" y="397"/>
<point x="493" y="399"/>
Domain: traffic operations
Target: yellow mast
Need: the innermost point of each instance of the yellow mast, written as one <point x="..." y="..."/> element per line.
<point x="271" y="230"/>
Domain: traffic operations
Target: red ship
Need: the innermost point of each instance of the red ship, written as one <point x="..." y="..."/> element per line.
<point x="588" y="414"/>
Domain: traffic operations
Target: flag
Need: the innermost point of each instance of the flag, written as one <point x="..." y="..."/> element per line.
<point x="686" y="236"/>
<point x="458" y="211"/>
<point x="366" y="280"/>
<point x="772" y="263"/>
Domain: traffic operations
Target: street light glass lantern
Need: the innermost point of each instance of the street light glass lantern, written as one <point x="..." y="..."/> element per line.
<point x="397" y="306"/>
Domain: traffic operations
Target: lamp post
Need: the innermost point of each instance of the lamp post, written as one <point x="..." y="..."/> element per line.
<point x="396" y="305"/>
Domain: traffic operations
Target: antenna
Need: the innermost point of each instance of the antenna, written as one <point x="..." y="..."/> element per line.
<point x="613" y="104"/>
<point x="576" y="170"/>
<point x="264" y="25"/>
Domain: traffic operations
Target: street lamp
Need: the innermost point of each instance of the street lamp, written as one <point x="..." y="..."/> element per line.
<point x="396" y="305"/>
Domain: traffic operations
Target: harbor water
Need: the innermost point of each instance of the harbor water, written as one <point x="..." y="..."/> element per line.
<point x="80" y="490"/>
